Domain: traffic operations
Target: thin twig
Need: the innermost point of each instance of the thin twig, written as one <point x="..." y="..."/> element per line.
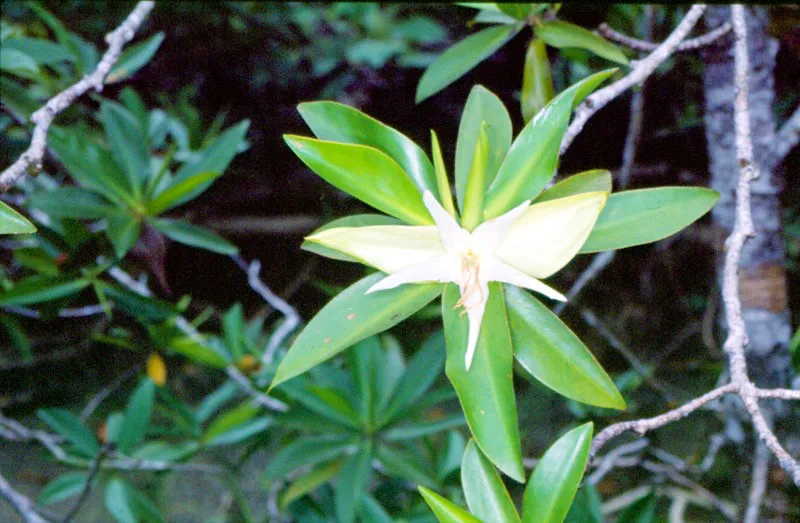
<point x="262" y="399"/>
<point x="606" y="463"/>
<point x="78" y="312"/>
<point x="43" y="118"/>
<point x="691" y="44"/>
<point x="598" y="263"/>
<point x="787" y="138"/>
<point x="87" y="487"/>
<point x="758" y="485"/>
<point x="107" y="390"/>
<point x="640" y="71"/>
<point x="21" y="503"/>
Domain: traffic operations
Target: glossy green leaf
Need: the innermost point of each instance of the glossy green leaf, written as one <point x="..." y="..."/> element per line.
<point x="304" y="452"/>
<point x="533" y="155"/>
<point x="176" y="192"/>
<point x="445" y="510"/>
<point x="423" y="428"/>
<point x="486" y="391"/>
<point x="404" y="464"/>
<point x="236" y="425"/>
<point x="44" y="52"/>
<point x="337" y="122"/>
<point x="586" y="507"/>
<point x="554" y="355"/>
<point x="197" y="351"/>
<point x="127" y="141"/>
<point x="193" y="235"/>
<point x="119" y="502"/>
<point x="352" y="481"/>
<point x="366" y="173"/>
<point x="537" y="81"/>
<point x="63" y="487"/>
<point x="123" y="231"/>
<point x="463" y="56"/>
<point x="556" y="478"/>
<point x="486" y="494"/>
<point x="18" y="63"/>
<point x="324" y="401"/>
<point x="12" y="222"/>
<point x="350" y="317"/>
<point x="70" y="202"/>
<point x="647" y="215"/>
<point x="442" y="182"/>
<point x="364" y="358"/>
<point x="356" y="220"/>
<point x="163" y="451"/>
<point x="145" y="309"/>
<point x="517" y="11"/>
<point x="37" y="289"/>
<point x="309" y="482"/>
<point x="560" y="34"/>
<point x="214" y="158"/>
<point x="475" y="191"/>
<point x="482" y="106"/>
<point x="134" y="58"/>
<point x="137" y="416"/>
<point x="421" y="372"/>
<point x="71" y="427"/>
<point x="596" y="180"/>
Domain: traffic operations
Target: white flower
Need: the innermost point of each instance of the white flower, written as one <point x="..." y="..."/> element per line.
<point x="526" y="243"/>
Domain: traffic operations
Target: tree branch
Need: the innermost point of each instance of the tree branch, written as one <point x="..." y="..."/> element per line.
<point x="640" y="71"/>
<point x="21" y="503"/>
<point x="787" y="138"/>
<point x="642" y="45"/>
<point x="31" y="160"/>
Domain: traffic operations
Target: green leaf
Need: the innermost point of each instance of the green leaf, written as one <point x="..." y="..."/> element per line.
<point x="71" y="427"/>
<point x="475" y="190"/>
<point x="176" y="192"/>
<point x="445" y="196"/>
<point x="647" y="215"/>
<point x="554" y="355"/>
<point x="366" y="173"/>
<point x="306" y="451"/>
<point x="17" y="98"/>
<point x="421" y="372"/>
<point x="533" y="156"/>
<point x="560" y="34"/>
<point x="337" y="122"/>
<point x="143" y="507"/>
<point x="70" y="202"/>
<point x="364" y="359"/>
<point x="596" y="180"/>
<point x="144" y="309"/>
<point x="37" y="289"/>
<point x="537" y="81"/>
<point x="356" y="220"/>
<point x="463" y="56"/>
<point x="128" y="143"/>
<point x="119" y="502"/>
<point x="61" y="33"/>
<point x="557" y="476"/>
<point x="123" y="231"/>
<point x="134" y="58"/>
<point x="309" y="482"/>
<point x="517" y="11"/>
<point x="486" y="390"/>
<point x="352" y="482"/>
<point x="371" y="511"/>
<point x="350" y="317"/>
<point x="42" y="51"/>
<point x="236" y="425"/>
<point x="423" y="428"/>
<point x="486" y="494"/>
<point x="12" y="222"/>
<point x="18" y="63"/>
<point x="197" y="351"/>
<point x="63" y="487"/>
<point x="193" y="235"/>
<point x="642" y="511"/>
<point x="482" y="106"/>
<point x="214" y="158"/>
<point x="403" y="464"/>
<point x="445" y="510"/>
<point x="163" y="451"/>
<point x="586" y="508"/>
<point x="324" y="401"/>
<point x="137" y="416"/>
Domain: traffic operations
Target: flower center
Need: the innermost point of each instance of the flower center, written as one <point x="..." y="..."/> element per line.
<point x="470" y="265"/>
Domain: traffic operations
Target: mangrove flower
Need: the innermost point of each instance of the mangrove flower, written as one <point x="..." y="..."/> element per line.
<point x="520" y="247"/>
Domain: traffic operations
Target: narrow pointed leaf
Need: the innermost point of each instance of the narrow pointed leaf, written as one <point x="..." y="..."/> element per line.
<point x="119" y="501"/>
<point x="406" y="465"/>
<point x="456" y="61"/>
<point x="356" y="220"/>
<point x="537" y="81"/>
<point x="63" y="487"/>
<point x="372" y="512"/>
<point x="193" y="235"/>
<point x="339" y="123"/>
<point x="486" y="390"/>
<point x="556" y="478"/>
<point x="533" y="155"/>
<point x="70" y="202"/>
<point x="476" y="182"/>
<point x="175" y="192"/>
<point x="37" y="289"/>
<point x="486" y="494"/>
<point x="351" y="483"/>
<point x="71" y="427"/>
<point x="445" y="510"/>
<point x="366" y="173"/>
<point x="482" y="106"/>
<point x="554" y="355"/>
<point x="586" y="507"/>
<point x="596" y="180"/>
<point x="309" y="482"/>
<point x="12" y="222"/>
<point x="442" y="182"/>
<point x="123" y="231"/>
<point x="350" y="317"/>
<point x="137" y="416"/>
<point x="560" y="34"/>
<point x="134" y="58"/>
<point x="647" y="215"/>
<point x="128" y="143"/>
<point x="304" y="452"/>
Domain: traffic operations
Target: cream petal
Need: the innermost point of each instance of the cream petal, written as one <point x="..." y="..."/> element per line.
<point x="499" y="271"/>
<point x="452" y="235"/>
<point x="389" y="248"/>
<point x="442" y="269"/>
<point x="475" y="319"/>
<point x="549" y="234"/>
<point x="489" y="234"/>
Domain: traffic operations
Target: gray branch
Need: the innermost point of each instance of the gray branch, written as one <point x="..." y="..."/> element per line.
<point x="640" y="71"/>
<point x="787" y="138"/>
<point x="21" y="503"/>
<point x="31" y="160"/>
<point x="692" y="44"/>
